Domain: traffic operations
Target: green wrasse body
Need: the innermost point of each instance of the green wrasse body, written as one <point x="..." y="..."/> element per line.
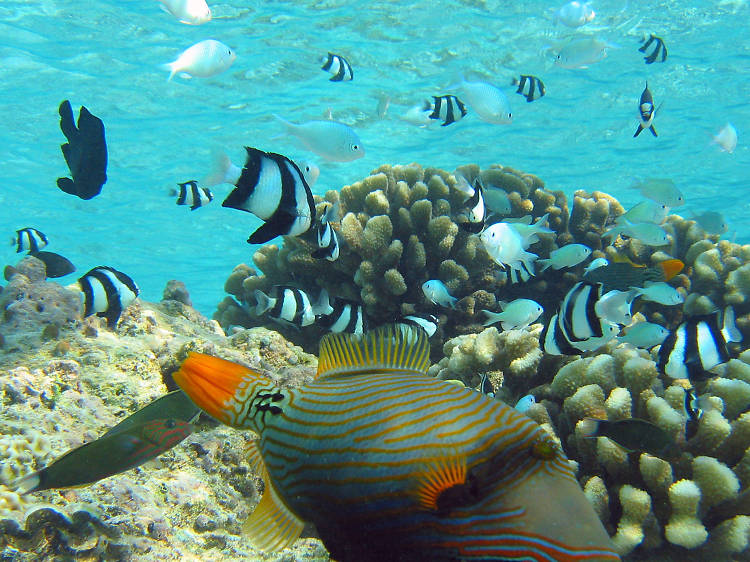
<point x="108" y="455"/>
<point x="390" y="464"/>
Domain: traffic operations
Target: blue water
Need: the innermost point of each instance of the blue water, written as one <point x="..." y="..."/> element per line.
<point x="106" y="55"/>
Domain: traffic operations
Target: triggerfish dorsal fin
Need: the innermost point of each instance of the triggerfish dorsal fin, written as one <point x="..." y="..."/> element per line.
<point x="387" y="348"/>
<point x="272" y="525"/>
<point x="233" y="394"/>
<point x="670" y="268"/>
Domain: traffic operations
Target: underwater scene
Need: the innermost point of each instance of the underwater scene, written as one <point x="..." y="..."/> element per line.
<point x="380" y="281"/>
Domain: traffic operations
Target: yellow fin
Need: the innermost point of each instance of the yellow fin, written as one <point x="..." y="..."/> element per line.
<point x="273" y="525"/>
<point x="392" y="348"/>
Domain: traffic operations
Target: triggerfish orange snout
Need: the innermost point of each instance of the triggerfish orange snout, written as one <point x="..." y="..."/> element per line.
<point x="390" y="464"/>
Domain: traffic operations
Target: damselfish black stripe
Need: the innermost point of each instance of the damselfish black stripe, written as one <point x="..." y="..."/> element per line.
<point x="114" y="306"/>
<point x="195" y="193"/>
<point x="718" y="338"/>
<point x="691" y="358"/>
<point x="299" y="306"/>
<point x="329" y="62"/>
<point x="245" y="186"/>
<point x="595" y="323"/>
<point x="437" y="104"/>
<point x="339" y="76"/>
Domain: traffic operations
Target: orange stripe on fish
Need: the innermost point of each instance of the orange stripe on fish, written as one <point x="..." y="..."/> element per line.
<point x="391" y="464"/>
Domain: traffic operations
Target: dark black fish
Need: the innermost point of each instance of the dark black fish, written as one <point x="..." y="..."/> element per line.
<point x="85" y="152"/>
<point x="647" y="111"/>
<point x="273" y="188"/>
<point x="477" y="209"/>
<point x="632" y="434"/>
<point x="447" y="109"/>
<point x="106" y="293"/>
<point x="530" y="87"/>
<point x="697" y="345"/>
<point x="190" y="194"/>
<point x="55" y="264"/>
<point x="110" y="454"/>
<point x="29" y="240"/>
<point x="660" y="49"/>
<point x="175" y="405"/>
<point x="328" y="240"/>
<point x="622" y="275"/>
<point x="339" y="67"/>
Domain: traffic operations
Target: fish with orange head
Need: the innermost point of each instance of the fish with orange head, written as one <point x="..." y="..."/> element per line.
<point x="391" y="464"/>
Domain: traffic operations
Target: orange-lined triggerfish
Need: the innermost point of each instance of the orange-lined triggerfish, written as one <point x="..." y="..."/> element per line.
<point x="391" y="464"/>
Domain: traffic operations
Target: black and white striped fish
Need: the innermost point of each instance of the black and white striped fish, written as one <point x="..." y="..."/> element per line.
<point x="646" y="113"/>
<point x="427" y="322"/>
<point x="698" y="344"/>
<point x="29" y="240"/>
<point x="485" y="385"/>
<point x="328" y="241"/>
<point x="694" y="413"/>
<point x="514" y="276"/>
<point x="660" y="49"/>
<point x="447" y="109"/>
<point x="577" y="327"/>
<point x="106" y="293"/>
<point x="477" y="209"/>
<point x="347" y="316"/>
<point x="289" y="306"/>
<point x="530" y="87"/>
<point x="274" y="189"/>
<point x="190" y="194"/>
<point x="339" y="67"/>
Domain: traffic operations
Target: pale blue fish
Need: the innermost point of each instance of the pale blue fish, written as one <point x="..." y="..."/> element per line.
<point x="488" y="101"/>
<point x="515" y="315"/>
<point x="437" y="293"/>
<point x="391" y="464"/>
<point x="645" y="211"/>
<point x="726" y="138"/>
<point x="644" y="335"/>
<point x="529" y="232"/>
<point x="581" y="52"/>
<point x="712" y="222"/>
<point x="525" y="403"/>
<point x="614" y="306"/>
<point x="568" y="256"/>
<point x="596" y="264"/>
<point x="661" y="190"/>
<point x="646" y="232"/>
<point x="331" y="140"/>
<point x="505" y="246"/>
<point x="574" y="14"/>
<point x="660" y="292"/>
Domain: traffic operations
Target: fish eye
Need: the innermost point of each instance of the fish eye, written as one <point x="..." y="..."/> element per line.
<point x="355" y="147"/>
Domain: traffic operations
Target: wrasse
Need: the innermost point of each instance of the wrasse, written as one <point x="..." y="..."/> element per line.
<point x="391" y="464"/>
<point x="109" y="455"/>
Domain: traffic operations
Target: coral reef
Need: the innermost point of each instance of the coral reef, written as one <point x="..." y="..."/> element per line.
<point x="399" y="227"/>
<point x="187" y="504"/>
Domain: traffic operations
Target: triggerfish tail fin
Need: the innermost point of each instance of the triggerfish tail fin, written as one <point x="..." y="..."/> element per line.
<point x="388" y="348"/>
<point x="225" y="390"/>
<point x="670" y="268"/>
<point x="272" y="525"/>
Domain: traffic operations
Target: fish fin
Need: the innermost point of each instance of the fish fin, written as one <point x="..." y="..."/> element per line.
<point x="589" y="427"/>
<point x="172" y="68"/>
<point x="638" y="131"/>
<point x="653" y="131"/>
<point x="67" y="185"/>
<point x="219" y="387"/>
<point x="262" y="302"/>
<point x="27" y="484"/>
<point x="670" y="268"/>
<point x="272" y="525"/>
<point x="267" y="231"/>
<point x="729" y="329"/>
<point x="399" y="348"/>
<point x="444" y="473"/>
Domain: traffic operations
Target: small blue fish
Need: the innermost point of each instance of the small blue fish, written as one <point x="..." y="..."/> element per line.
<point x="525" y="403"/>
<point x="437" y="293"/>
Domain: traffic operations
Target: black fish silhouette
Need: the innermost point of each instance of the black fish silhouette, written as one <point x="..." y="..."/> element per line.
<point x="85" y="152"/>
<point x="57" y="265"/>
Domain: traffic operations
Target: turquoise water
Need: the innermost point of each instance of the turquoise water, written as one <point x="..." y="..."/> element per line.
<point x="107" y="55"/>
